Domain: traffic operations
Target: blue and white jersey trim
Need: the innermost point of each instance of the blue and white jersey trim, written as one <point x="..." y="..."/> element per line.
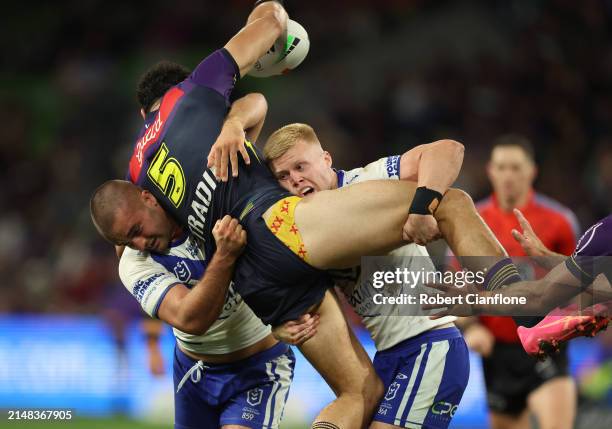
<point x="385" y="168"/>
<point x="150" y="276"/>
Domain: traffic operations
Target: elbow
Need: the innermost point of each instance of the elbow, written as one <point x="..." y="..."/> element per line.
<point x="194" y="325"/>
<point x="260" y="101"/>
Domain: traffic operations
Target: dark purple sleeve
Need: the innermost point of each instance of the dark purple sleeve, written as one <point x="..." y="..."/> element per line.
<point x="593" y="253"/>
<point x="217" y="71"/>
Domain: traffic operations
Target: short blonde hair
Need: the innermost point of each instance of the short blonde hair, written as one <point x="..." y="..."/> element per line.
<point x="283" y="139"/>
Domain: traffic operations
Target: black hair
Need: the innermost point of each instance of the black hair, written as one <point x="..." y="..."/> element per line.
<point x="157" y="80"/>
<point x="516" y="140"/>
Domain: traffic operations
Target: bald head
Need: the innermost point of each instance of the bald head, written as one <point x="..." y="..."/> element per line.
<point x="108" y="200"/>
<point x="126" y="215"/>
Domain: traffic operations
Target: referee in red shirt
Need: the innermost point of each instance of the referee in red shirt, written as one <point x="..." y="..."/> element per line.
<point x="517" y="384"/>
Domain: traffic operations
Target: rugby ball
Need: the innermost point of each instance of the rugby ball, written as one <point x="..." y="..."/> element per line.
<point x="282" y="59"/>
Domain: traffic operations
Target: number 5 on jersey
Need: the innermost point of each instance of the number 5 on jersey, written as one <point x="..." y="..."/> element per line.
<point x="168" y="175"/>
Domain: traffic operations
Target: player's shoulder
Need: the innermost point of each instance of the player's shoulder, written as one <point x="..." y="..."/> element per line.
<point x="133" y="262"/>
<point x="381" y="169"/>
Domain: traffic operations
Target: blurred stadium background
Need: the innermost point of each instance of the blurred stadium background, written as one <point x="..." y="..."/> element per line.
<point x="380" y="78"/>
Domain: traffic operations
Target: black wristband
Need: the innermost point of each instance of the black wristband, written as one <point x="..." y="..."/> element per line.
<point x="258" y="2"/>
<point x="425" y="201"/>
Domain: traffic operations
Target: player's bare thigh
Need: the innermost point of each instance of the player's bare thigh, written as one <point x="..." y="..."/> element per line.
<point x="341" y="362"/>
<point x="340" y="226"/>
<point x="234" y="427"/>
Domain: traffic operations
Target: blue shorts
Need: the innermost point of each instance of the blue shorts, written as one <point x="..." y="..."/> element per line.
<point x="275" y="283"/>
<point x="424" y="379"/>
<point x="251" y="392"/>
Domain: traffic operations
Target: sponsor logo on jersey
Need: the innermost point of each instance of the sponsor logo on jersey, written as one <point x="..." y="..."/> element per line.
<point x="201" y="203"/>
<point x="192" y="248"/>
<point x="392" y="391"/>
<point x="443" y="408"/>
<point x="182" y="272"/>
<point x="141" y="286"/>
<point x="586" y="238"/>
<point x="152" y="134"/>
<point x="352" y="179"/>
<point x="393" y="165"/>
<point x="254" y="396"/>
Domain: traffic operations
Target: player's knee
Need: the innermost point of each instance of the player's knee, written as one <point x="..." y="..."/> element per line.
<point x="453" y="145"/>
<point x="455" y="200"/>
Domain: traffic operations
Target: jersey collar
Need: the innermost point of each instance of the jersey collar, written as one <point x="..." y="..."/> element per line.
<point x="340" y="176"/>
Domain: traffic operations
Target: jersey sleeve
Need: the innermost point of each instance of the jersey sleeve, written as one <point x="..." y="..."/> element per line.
<point x="384" y="168"/>
<point x="217" y="71"/>
<point x="147" y="280"/>
<point x="593" y="253"/>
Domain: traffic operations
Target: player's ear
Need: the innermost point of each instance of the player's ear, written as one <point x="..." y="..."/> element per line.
<point x="328" y="158"/>
<point x="142" y="113"/>
<point x="148" y="198"/>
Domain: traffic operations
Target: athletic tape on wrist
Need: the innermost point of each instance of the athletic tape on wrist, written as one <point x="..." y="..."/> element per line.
<point x="425" y="201"/>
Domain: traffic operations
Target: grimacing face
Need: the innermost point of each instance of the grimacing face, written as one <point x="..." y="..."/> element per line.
<point x="304" y="169"/>
<point x="142" y="224"/>
<point x="511" y="172"/>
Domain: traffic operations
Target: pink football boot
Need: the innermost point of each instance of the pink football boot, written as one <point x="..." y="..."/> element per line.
<point x="560" y="326"/>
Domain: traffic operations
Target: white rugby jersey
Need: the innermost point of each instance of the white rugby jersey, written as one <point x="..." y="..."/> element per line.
<point x="388" y="324"/>
<point x="149" y="276"/>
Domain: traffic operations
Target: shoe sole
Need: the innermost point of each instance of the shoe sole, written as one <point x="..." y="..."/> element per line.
<point x="584" y="329"/>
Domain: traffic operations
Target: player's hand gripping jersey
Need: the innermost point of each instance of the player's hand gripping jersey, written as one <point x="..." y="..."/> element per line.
<point x="149" y="276"/>
<point x="170" y="161"/>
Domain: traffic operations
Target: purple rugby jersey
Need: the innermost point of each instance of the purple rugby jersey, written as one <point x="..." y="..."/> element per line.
<point x="170" y="155"/>
<point x="593" y="254"/>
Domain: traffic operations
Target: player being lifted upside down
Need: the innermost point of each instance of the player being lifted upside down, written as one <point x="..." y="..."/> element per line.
<point x="173" y="189"/>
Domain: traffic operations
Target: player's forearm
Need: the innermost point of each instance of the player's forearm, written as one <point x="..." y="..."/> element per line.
<point x="250" y="113"/>
<point x="440" y="164"/>
<point x="531" y="290"/>
<point x="201" y="307"/>
<point x="550" y="259"/>
<point x="265" y="25"/>
<point x="541" y="297"/>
